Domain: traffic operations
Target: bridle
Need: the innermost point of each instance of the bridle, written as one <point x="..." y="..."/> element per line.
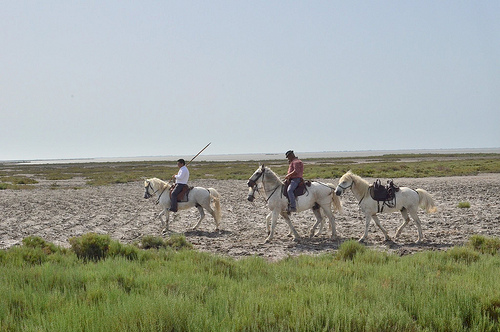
<point x="350" y="187"/>
<point x="347" y="187"/>
<point x="148" y="195"/>
<point x="252" y="183"/>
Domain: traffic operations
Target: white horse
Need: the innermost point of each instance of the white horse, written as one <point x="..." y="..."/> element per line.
<point x="407" y="201"/>
<point x="198" y="197"/>
<point x="319" y="195"/>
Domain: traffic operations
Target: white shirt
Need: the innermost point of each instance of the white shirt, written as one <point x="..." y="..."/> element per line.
<point x="182" y="176"/>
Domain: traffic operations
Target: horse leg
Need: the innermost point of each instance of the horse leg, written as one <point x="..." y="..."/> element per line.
<point x="212" y="213"/>
<point x="377" y="222"/>
<point x="202" y="215"/>
<point x="331" y="217"/>
<point x="268" y="223"/>
<point x="367" y="225"/>
<point x="275" y="215"/>
<point x="164" y="223"/>
<point x="406" y="220"/>
<point x="413" y="213"/>
<point x="284" y="214"/>
<point x="319" y="220"/>
<point x="295" y="235"/>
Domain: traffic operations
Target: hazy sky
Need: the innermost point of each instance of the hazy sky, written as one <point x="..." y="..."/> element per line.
<point x="83" y="79"/>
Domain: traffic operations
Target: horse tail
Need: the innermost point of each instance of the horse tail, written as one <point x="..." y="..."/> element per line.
<point x="426" y="201"/>
<point x="337" y="204"/>
<point x="214" y="194"/>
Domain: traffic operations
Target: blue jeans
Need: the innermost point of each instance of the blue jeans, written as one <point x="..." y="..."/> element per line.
<point x="294" y="183"/>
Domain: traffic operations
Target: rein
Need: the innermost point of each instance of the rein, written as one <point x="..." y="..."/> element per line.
<point x="154" y="193"/>
<point x="159" y="196"/>
<point x="267" y="199"/>
<point x="325" y="185"/>
<point x="254" y="182"/>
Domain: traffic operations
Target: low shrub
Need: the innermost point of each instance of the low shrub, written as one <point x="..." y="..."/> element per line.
<point x="33" y="256"/>
<point x="464" y="205"/>
<point x="178" y="242"/>
<point x="19" y="180"/>
<point x="123" y="250"/>
<point x="485" y="245"/>
<point x="151" y="242"/>
<point x="38" y="242"/>
<point x="91" y="246"/>
<point x="349" y="249"/>
<point x="463" y="255"/>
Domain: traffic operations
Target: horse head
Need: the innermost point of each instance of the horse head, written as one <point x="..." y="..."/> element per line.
<point x="148" y="187"/>
<point x="252" y="182"/>
<point x="154" y="185"/>
<point x="345" y="182"/>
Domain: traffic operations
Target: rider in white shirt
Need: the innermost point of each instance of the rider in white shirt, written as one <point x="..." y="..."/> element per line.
<point x="181" y="180"/>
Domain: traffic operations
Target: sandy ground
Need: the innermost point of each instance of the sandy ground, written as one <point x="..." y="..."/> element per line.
<point x="121" y="211"/>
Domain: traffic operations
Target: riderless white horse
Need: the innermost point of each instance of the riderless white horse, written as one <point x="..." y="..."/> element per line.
<point x="198" y="197"/>
<point x="406" y="200"/>
<point x="319" y="195"/>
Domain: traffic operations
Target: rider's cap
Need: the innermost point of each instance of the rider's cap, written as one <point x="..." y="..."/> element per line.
<point x="288" y="153"/>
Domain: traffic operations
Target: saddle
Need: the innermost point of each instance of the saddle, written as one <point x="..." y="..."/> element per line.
<point x="385" y="194"/>
<point x="183" y="195"/>
<point x="299" y="191"/>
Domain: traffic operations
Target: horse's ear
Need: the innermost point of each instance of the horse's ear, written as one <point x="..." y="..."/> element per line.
<point x="262" y="167"/>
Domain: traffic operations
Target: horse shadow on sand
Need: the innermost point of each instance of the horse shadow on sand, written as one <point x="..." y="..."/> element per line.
<point x="212" y="234"/>
<point x="318" y="245"/>
<point x="409" y="248"/>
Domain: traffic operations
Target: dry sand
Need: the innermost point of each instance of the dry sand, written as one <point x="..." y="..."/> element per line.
<point x="121" y="211"/>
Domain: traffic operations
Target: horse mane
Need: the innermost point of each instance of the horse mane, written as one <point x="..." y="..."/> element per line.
<point x="353" y="177"/>
<point x="274" y="174"/>
<point x="160" y="183"/>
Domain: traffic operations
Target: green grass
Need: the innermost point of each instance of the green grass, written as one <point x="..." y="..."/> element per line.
<point x="464" y="205"/>
<point x="389" y="166"/>
<point x="356" y="289"/>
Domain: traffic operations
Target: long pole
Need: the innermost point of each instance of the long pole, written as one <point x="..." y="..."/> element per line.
<point x="192" y="159"/>
<point x="198" y="153"/>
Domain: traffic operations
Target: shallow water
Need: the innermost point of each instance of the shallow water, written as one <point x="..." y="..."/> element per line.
<point x="266" y="156"/>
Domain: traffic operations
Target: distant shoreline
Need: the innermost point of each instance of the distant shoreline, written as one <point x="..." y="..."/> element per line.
<point x="257" y="156"/>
